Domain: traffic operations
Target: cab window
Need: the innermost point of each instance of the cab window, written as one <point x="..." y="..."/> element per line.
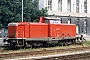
<point x="55" y="21"/>
<point x="46" y="21"/>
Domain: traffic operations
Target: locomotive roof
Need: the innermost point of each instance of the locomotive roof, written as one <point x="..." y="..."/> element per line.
<point x="51" y="18"/>
<point x="13" y="24"/>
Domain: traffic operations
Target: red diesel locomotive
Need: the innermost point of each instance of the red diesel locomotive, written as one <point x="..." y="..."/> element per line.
<point x="46" y="32"/>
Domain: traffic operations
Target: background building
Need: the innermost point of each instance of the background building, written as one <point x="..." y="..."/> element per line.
<point x="75" y="11"/>
<point x="79" y="8"/>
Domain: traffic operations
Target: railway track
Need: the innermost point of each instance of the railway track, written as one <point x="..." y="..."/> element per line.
<point x="43" y="52"/>
<point x="69" y="56"/>
<point x="82" y="56"/>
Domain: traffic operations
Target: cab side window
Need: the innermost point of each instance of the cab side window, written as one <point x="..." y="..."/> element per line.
<point x="55" y="21"/>
<point x="46" y="21"/>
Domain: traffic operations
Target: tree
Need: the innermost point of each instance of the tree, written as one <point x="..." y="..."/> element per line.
<point x="0" y="25"/>
<point x="10" y="11"/>
<point x="31" y="11"/>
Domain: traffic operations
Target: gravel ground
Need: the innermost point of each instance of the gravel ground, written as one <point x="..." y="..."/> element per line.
<point x="44" y="52"/>
<point x="48" y="55"/>
<point x="55" y="56"/>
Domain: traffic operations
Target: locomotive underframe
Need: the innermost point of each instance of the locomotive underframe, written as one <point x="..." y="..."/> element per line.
<point x="30" y="42"/>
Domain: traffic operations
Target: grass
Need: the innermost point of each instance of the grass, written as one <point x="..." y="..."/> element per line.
<point x="87" y="43"/>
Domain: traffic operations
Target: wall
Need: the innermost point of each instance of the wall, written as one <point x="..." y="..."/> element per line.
<point x="41" y="4"/>
<point x="55" y="5"/>
<point x="73" y="8"/>
<point x="81" y="9"/>
<point x="64" y="5"/>
<point x="88" y="6"/>
<point x="44" y="3"/>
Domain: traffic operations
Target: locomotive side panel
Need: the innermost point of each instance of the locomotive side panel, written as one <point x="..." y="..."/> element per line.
<point x="73" y="30"/>
<point x="51" y="30"/>
<point x="57" y="30"/>
<point x="68" y="30"/>
<point x="26" y="28"/>
<point x="38" y="30"/>
<point x="61" y="30"/>
<point x="21" y="31"/>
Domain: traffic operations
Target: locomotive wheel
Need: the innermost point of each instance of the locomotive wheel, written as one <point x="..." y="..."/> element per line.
<point x="45" y="44"/>
<point x="66" y="44"/>
<point x="24" y="44"/>
<point x="60" y="44"/>
<point x="30" y="44"/>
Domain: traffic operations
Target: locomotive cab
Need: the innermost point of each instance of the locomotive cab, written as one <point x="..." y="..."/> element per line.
<point x="49" y="20"/>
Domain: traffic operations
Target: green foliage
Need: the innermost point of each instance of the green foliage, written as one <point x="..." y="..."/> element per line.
<point x="0" y="25"/>
<point x="10" y="11"/>
<point x="87" y="42"/>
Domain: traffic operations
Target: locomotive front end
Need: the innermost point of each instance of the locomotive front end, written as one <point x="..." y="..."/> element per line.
<point x="12" y="30"/>
<point x="12" y="33"/>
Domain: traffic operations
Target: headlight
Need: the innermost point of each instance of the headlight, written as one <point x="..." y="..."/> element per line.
<point x="6" y="42"/>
